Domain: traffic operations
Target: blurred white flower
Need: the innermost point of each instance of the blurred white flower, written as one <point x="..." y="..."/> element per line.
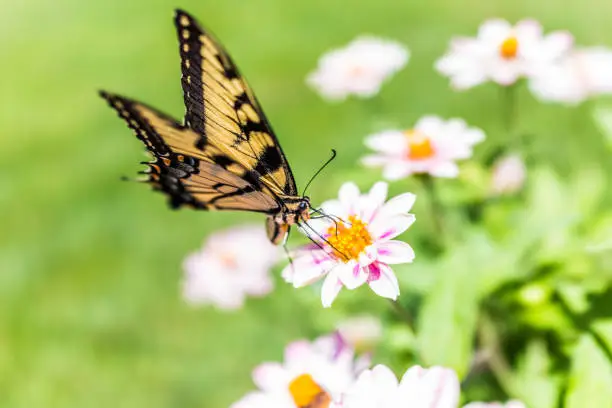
<point x="509" y="404"/>
<point x="360" y="68"/>
<point x="357" y="248"/>
<point x="432" y="147"/>
<point x="584" y="73"/>
<point x="436" y="387"/>
<point x="508" y="175"/>
<point x="502" y="53"/>
<point x="231" y="265"/>
<point x="361" y="332"/>
<point x="312" y="372"/>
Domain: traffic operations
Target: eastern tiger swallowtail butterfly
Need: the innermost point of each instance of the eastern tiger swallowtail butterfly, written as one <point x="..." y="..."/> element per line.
<point x="225" y="155"/>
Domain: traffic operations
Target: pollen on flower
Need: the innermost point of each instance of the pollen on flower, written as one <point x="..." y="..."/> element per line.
<point x="305" y="391"/>
<point x="419" y="145"/>
<point x="509" y="48"/>
<point x="349" y="239"/>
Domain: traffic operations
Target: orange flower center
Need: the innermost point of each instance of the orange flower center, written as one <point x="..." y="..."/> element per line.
<point x="307" y="393"/>
<point x="419" y="145"/>
<point x="509" y="48"/>
<point x="349" y="239"/>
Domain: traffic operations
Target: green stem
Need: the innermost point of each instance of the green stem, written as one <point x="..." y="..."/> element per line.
<point x="509" y="107"/>
<point x="489" y="340"/>
<point x="435" y="206"/>
<point x="403" y="313"/>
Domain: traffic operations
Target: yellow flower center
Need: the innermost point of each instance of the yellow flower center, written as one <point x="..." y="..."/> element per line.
<point x="307" y="393"/>
<point x="419" y="145"/>
<point x="509" y="48"/>
<point x="349" y="239"/>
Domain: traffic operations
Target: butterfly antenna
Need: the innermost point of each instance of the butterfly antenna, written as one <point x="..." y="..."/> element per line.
<point x="333" y="156"/>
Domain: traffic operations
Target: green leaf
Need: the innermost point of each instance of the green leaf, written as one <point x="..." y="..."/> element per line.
<point x="533" y="383"/>
<point x="590" y="382"/>
<point x="603" y="120"/>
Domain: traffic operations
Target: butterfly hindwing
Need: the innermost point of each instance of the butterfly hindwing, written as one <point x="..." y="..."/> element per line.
<point x="222" y="110"/>
<point x="186" y="173"/>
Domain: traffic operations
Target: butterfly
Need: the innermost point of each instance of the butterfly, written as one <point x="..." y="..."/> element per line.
<point x="224" y="156"/>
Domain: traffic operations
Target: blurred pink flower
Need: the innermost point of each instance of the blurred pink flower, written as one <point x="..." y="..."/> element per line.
<point x="358" y="69"/>
<point x="509" y="404"/>
<point x="436" y="387"/>
<point x="502" y="53"/>
<point x="432" y="147"/>
<point x="317" y="371"/>
<point x="361" y="332"/>
<point x="231" y="265"/>
<point x="584" y="73"/>
<point x="508" y="175"/>
<point x="357" y="248"/>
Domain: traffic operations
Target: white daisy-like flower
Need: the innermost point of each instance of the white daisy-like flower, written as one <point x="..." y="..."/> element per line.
<point x="431" y="147"/>
<point x="502" y="53"/>
<point x="436" y="387"/>
<point x="508" y="176"/>
<point x="317" y="372"/>
<point x="509" y="404"/>
<point x="584" y="73"/>
<point x="361" y="332"/>
<point x="356" y="246"/>
<point x="358" y="69"/>
<point x="231" y="265"/>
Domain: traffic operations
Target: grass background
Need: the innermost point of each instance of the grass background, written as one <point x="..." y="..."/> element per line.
<point x="90" y="309"/>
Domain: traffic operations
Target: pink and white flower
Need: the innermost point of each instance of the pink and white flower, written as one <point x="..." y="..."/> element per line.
<point x="361" y="332"/>
<point x="317" y="371"/>
<point x="431" y="147"/>
<point x="436" y="387"/>
<point x="582" y="74"/>
<point x="509" y="404"/>
<point x="508" y="176"/>
<point x="357" y="248"/>
<point x="231" y="265"/>
<point x="502" y="53"/>
<point x="358" y="69"/>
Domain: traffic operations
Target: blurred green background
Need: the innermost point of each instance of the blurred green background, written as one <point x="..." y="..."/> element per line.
<point x="90" y="307"/>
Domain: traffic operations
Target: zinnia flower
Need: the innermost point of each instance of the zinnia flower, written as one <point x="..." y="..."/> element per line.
<point x="502" y="53"/>
<point x="584" y="73"/>
<point x="358" y="69"/>
<point x="436" y="387"/>
<point x="361" y="332"/>
<point x="231" y="265"/>
<point x="431" y="147"/>
<point x="356" y="246"/>
<point x="508" y="175"/>
<point x="312" y="372"/>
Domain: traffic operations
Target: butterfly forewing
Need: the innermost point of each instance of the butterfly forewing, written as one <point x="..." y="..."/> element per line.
<point x="222" y="110"/>
<point x="185" y="172"/>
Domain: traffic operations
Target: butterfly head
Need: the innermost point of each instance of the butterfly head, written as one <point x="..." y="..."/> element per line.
<point x="295" y="210"/>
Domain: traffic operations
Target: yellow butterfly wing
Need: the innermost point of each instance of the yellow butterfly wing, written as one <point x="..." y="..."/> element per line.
<point x="184" y="172"/>
<point x="225" y="155"/>
<point x="222" y="109"/>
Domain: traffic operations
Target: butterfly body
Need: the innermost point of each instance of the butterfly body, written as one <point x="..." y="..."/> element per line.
<point x="224" y="156"/>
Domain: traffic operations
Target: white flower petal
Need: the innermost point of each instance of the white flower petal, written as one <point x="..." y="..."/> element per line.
<point x="349" y="195"/>
<point x="400" y="204"/>
<point x="383" y="281"/>
<point x="396" y="170"/>
<point x="350" y="274"/>
<point x="436" y="387"/>
<point x="268" y="376"/>
<point x="389" y="227"/>
<point x="330" y="289"/>
<point x="395" y="252"/>
<point x="445" y="169"/>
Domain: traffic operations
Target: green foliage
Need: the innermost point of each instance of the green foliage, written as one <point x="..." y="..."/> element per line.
<point x="516" y="296"/>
